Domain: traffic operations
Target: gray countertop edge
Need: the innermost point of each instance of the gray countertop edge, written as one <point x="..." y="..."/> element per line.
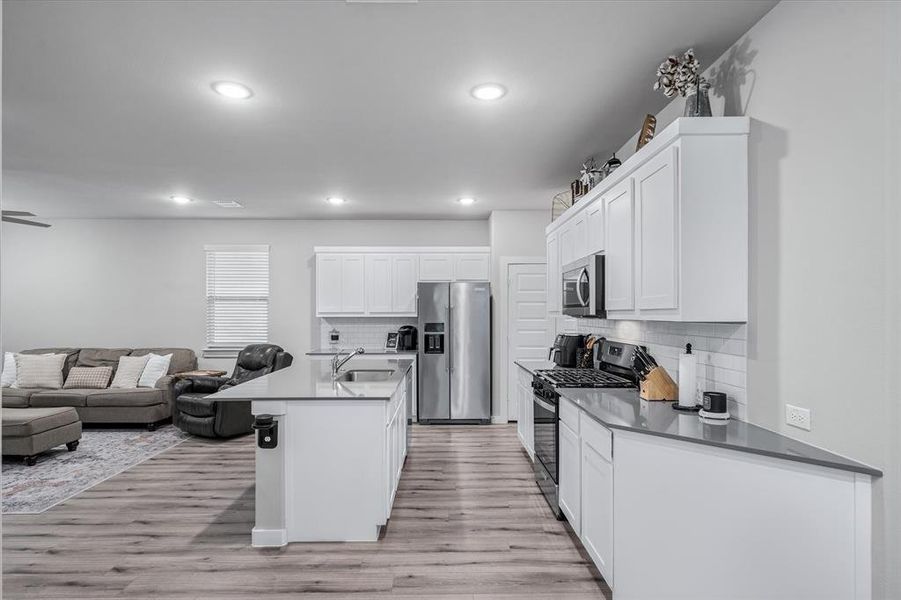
<point x="859" y="468"/>
<point x="839" y="462"/>
<point x="397" y="378"/>
<point x="370" y="352"/>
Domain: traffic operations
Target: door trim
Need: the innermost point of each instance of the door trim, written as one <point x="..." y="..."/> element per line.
<point x="506" y="262"/>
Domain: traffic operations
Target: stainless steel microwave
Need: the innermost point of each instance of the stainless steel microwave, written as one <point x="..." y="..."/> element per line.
<point x="583" y="288"/>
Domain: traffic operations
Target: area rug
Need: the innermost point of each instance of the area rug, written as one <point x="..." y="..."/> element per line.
<point x="61" y="474"/>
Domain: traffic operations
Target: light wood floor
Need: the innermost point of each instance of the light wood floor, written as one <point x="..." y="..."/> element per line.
<point x="468" y="522"/>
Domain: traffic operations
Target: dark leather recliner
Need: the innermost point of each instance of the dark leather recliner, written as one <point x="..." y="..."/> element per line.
<point x="198" y="415"/>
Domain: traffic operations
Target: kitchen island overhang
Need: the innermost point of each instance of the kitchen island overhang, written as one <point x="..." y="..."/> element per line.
<point x="340" y="449"/>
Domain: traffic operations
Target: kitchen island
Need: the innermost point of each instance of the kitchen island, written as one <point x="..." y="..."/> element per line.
<point x="329" y="468"/>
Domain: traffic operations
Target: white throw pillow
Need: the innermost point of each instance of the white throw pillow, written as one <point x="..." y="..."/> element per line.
<point x="129" y="371"/>
<point x="157" y="366"/>
<point x="8" y="379"/>
<point x="40" y="370"/>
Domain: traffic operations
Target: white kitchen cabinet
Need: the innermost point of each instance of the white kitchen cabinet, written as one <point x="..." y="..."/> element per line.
<point x="675" y="223"/>
<point x="580" y="236"/>
<point x="554" y="274"/>
<point x="570" y="478"/>
<point x="619" y="267"/>
<point x="630" y="481"/>
<point x="567" y="244"/>
<point x="472" y="267"/>
<point x="395" y="442"/>
<point x="520" y="416"/>
<point x="340" y="284"/>
<point x="524" y="415"/>
<point x="597" y="496"/>
<point x="657" y="232"/>
<point x="436" y="267"/>
<point x="391" y="284"/>
<point x="379" y="284"/>
<point x="353" y="285"/>
<point x="328" y="283"/>
<point x="594" y="225"/>
<point x="529" y="421"/>
<point x="405" y="276"/>
<point x="382" y="282"/>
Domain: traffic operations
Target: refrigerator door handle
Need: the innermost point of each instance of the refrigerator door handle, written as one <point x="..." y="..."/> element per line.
<point x="450" y="342"/>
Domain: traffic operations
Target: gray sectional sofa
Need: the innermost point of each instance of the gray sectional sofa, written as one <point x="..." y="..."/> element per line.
<point x="141" y="405"/>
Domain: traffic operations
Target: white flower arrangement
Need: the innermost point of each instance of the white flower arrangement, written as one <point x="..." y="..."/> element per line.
<point x="676" y="75"/>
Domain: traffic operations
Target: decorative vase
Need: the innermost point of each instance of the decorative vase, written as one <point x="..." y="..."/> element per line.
<point x="697" y="101"/>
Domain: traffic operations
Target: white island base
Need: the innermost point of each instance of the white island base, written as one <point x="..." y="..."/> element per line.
<point x="333" y="475"/>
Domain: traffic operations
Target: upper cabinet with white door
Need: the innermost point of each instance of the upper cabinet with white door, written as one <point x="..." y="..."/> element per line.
<point x="554" y="274"/>
<point x="436" y="267"/>
<point x="472" y="267"/>
<point x="391" y="284"/>
<point x="674" y="222"/>
<point x="382" y="282"/>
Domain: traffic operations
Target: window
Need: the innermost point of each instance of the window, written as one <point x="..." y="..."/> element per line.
<point x="237" y="298"/>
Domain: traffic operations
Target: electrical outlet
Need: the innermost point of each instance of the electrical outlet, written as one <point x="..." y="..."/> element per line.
<point x="797" y="417"/>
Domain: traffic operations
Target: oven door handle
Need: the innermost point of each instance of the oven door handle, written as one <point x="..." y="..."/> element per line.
<point x="546" y="406"/>
<point x="582" y="275"/>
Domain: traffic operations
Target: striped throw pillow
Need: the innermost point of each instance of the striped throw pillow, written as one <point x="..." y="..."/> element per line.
<point x="40" y="371"/>
<point x="129" y="371"/>
<point x="88" y="378"/>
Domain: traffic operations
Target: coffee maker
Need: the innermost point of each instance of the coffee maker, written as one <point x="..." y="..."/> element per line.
<point x="565" y="350"/>
<point x="407" y="338"/>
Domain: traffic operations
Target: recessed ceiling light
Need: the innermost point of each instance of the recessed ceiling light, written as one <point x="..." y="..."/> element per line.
<point x="466" y="201"/>
<point x="231" y="89"/>
<point x="181" y="199"/>
<point x="488" y="91"/>
<point x="335" y="200"/>
<point x="228" y="204"/>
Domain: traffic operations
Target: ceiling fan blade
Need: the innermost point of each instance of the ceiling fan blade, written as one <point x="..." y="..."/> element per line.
<point x="23" y="222"/>
<point x="17" y="213"/>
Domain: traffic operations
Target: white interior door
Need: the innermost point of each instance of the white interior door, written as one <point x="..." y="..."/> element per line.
<point x="527" y="322"/>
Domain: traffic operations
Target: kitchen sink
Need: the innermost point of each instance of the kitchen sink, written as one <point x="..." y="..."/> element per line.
<point x="359" y="375"/>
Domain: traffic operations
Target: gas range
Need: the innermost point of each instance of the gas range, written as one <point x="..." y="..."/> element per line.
<point x="564" y="377"/>
<point x="613" y="369"/>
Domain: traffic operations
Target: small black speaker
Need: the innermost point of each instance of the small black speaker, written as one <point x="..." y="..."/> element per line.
<point x="715" y="403"/>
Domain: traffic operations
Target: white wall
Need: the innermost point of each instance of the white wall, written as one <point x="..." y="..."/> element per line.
<point x="512" y="233"/>
<point x="824" y="227"/>
<point x="140" y="282"/>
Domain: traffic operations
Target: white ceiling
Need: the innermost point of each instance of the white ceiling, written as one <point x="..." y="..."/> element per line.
<point x="107" y="109"/>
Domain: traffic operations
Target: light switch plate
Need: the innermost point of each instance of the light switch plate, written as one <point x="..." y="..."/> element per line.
<point x="797" y="416"/>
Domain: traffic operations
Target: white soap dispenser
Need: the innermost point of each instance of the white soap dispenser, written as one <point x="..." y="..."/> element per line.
<point x="688" y="381"/>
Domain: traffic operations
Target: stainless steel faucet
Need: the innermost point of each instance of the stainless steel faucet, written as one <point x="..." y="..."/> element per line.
<point x="338" y="362"/>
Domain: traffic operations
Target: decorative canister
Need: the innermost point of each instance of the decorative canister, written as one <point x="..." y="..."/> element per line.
<point x="697" y="101"/>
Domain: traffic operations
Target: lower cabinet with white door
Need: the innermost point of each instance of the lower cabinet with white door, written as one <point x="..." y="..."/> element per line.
<point x="525" y="429"/>
<point x="586" y="484"/>
<point x="670" y="507"/>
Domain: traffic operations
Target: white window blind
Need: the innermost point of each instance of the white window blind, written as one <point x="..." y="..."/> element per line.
<point x="237" y="298"/>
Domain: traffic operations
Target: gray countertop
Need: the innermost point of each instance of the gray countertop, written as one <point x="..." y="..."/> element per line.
<point x="310" y="378"/>
<point x="535" y="365"/>
<point x="623" y="409"/>
<point x="381" y="351"/>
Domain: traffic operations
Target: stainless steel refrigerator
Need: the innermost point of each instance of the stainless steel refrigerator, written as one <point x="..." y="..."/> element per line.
<point x="454" y="352"/>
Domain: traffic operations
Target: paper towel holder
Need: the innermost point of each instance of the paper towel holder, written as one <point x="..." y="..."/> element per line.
<point x="676" y="405"/>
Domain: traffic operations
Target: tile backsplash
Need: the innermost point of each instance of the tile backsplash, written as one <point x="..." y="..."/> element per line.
<point x="368" y="332"/>
<point x="721" y="350"/>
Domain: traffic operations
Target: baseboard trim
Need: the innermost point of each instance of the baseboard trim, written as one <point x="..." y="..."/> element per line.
<point x="262" y="538"/>
<point x="496" y="420"/>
